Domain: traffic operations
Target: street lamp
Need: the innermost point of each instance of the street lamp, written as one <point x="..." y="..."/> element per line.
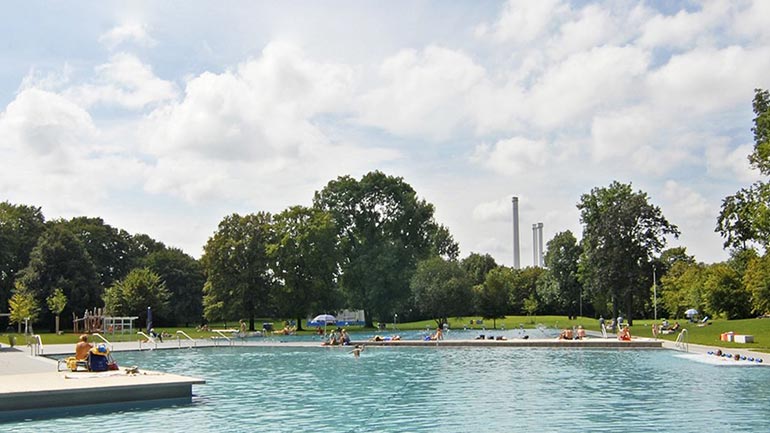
<point x="395" y="320"/>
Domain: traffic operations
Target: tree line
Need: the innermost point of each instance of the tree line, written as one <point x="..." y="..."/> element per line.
<point x="373" y="244"/>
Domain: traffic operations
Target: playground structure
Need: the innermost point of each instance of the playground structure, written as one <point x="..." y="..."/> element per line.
<point x="95" y="321"/>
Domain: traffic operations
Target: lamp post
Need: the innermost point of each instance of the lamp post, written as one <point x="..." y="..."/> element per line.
<point x="654" y="295"/>
<point x="395" y="320"/>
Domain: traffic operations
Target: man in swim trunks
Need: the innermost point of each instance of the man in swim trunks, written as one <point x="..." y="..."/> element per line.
<point x="82" y="347"/>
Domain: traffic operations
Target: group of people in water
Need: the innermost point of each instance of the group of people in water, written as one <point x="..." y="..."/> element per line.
<point x="578" y="333"/>
<point x="338" y="337"/>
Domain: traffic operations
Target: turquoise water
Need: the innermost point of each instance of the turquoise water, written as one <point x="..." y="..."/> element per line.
<point x="284" y="389"/>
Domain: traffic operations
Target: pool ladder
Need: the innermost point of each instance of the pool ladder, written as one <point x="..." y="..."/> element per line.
<point x="192" y="342"/>
<point x="683" y="341"/>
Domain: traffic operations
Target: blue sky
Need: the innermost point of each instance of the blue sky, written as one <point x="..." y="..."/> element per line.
<point x="163" y="117"/>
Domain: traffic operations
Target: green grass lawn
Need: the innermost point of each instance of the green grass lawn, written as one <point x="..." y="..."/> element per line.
<point x="706" y="335"/>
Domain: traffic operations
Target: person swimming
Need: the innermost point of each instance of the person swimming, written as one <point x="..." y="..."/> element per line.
<point x="357" y="349"/>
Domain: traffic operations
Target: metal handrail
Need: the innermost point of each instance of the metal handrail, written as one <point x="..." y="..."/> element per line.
<point x="36" y="346"/>
<point x="96" y="334"/>
<point x="195" y="343"/>
<point x="683" y="340"/>
<point x="150" y="339"/>
<point x="222" y="335"/>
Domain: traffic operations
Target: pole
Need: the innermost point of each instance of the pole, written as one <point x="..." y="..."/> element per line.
<point x="654" y="294"/>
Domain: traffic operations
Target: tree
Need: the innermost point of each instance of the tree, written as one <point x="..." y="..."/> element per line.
<point x="725" y="293"/>
<point x="22" y="306"/>
<point x="531" y="306"/>
<point x="56" y="303"/>
<point x="441" y="289"/>
<point x="561" y="259"/>
<point x="140" y="289"/>
<point x="682" y="288"/>
<point x="109" y="248"/>
<point x="745" y="216"/>
<point x="59" y="260"/>
<point x="384" y="230"/>
<point x="305" y="255"/>
<point x="621" y="232"/>
<point x="524" y="284"/>
<point x="20" y="227"/>
<point x="477" y="267"/>
<point x="184" y="278"/>
<point x="491" y="298"/>
<point x="757" y="282"/>
<point x="238" y="273"/>
<point x="760" y="157"/>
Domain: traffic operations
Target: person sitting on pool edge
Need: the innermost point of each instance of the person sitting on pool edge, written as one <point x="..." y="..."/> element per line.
<point x="82" y="347"/>
<point x="581" y="332"/>
<point x="566" y="334"/>
<point x="624" y="334"/>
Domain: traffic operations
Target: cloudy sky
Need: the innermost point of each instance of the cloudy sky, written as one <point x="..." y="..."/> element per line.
<point x="163" y="117"/>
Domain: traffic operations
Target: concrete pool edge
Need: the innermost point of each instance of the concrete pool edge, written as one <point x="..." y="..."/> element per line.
<point x="59" y="389"/>
<point x="33" y="382"/>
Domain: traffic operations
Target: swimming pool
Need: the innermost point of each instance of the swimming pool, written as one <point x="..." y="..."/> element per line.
<point x="288" y="389"/>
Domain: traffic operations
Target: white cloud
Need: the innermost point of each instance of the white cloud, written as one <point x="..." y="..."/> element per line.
<point x="725" y="163"/>
<point x="130" y="32"/>
<point x="686" y="202"/>
<point x="500" y="210"/>
<point x="599" y="79"/>
<point x="52" y="156"/>
<point x="46" y="125"/>
<point x="124" y="81"/>
<point x="685" y="28"/>
<point x="512" y="156"/>
<point x="426" y="94"/>
<point x="706" y="80"/>
<point x="522" y="21"/>
<point x="235" y="133"/>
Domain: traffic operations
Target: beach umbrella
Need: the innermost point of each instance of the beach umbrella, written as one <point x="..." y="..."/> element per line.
<point x="325" y="318"/>
<point x="691" y="312"/>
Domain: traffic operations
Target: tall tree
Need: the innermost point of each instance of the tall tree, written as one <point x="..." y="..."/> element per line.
<point x="745" y="215"/>
<point x="621" y="233"/>
<point x="140" y="289"/>
<point x="59" y="260"/>
<point x="757" y="282"/>
<point x="238" y="273"/>
<point x="477" y="267"/>
<point x="109" y="248"/>
<point x="20" y="227"/>
<point x="491" y="298"/>
<point x="725" y="293"/>
<point x="523" y="286"/>
<point x="384" y="230"/>
<point x="682" y="288"/>
<point x="441" y="289"/>
<point x="183" y="277"/>
<point x="561" y="259"/>
<point x="305" y="256"/>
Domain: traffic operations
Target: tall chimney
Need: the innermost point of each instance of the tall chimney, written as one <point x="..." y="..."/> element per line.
<point x="516" y="264"/>
<point x="540" y="251"/>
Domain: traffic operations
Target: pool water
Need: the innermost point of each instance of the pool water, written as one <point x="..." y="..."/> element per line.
<point x="286" y="389"/>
